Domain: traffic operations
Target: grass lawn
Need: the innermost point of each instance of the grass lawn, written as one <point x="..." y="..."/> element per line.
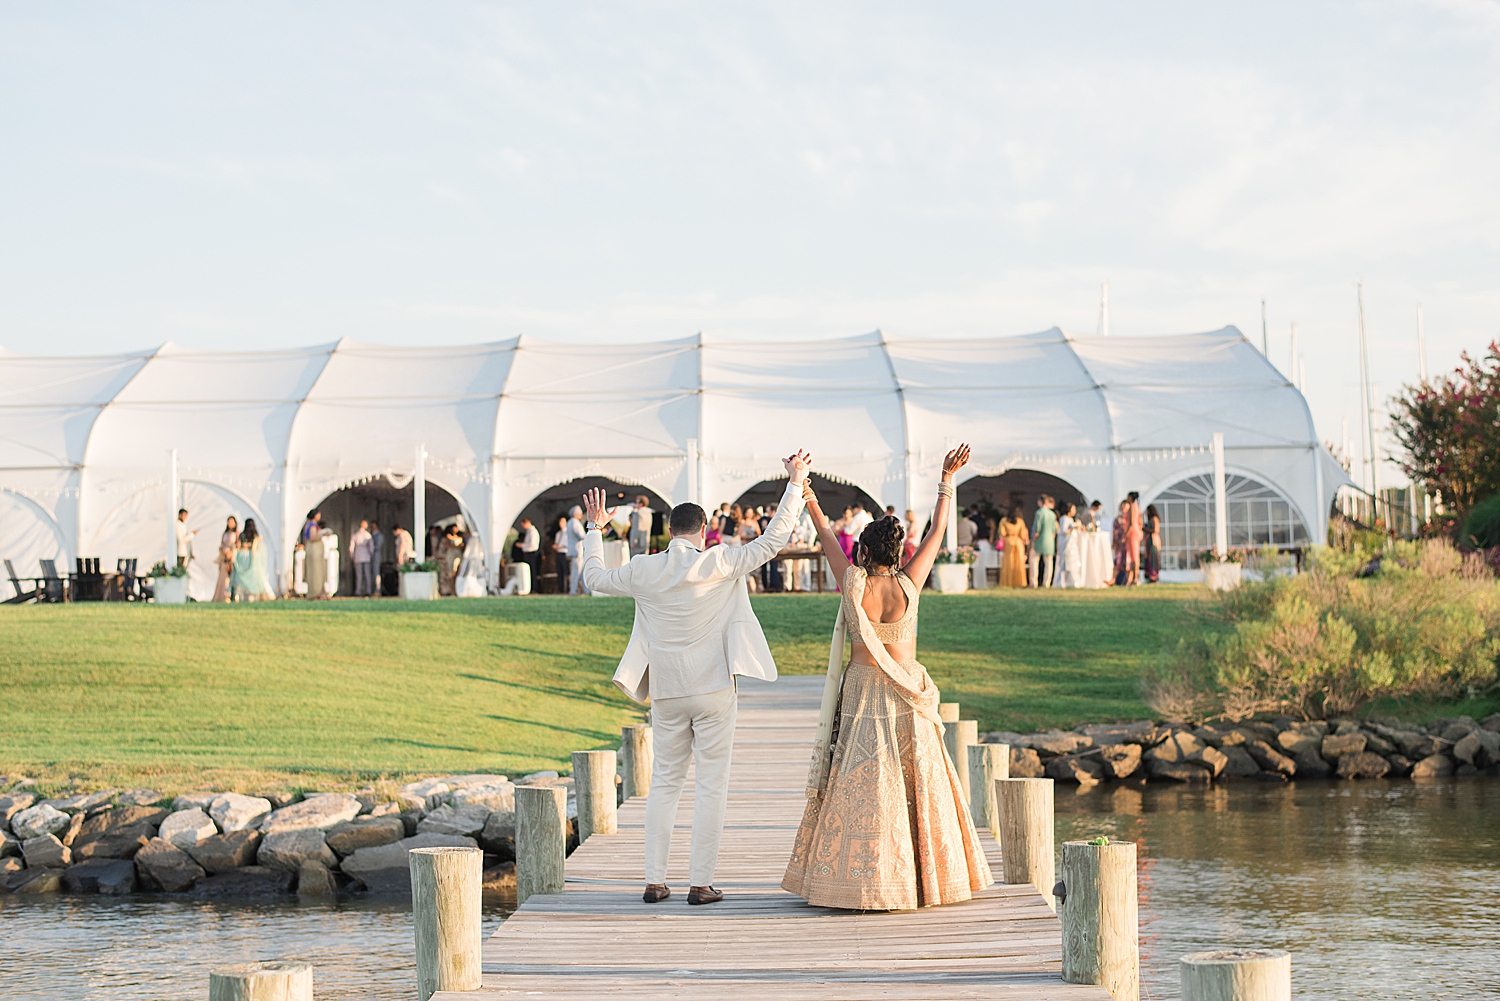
<point x="339" y="694"/>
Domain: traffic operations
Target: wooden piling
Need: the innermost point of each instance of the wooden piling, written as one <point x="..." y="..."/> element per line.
<point x="987" y="762"/>
<point x="1237" y="975"/>
<point x="636" y="755"/>
<point x="445" y="895"/>
<point x="1101" y="930"/>
<point x="594" y="790"/>
<point x="541" y="840"/>
<point x="958" y="736"/>
<point x="948" y="712"/>
<point x="1025" y="808"/>
<point x="269" y="981"/>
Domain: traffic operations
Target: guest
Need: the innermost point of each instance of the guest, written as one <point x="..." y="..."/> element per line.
<point x="450" y="550"/>
<point x="1070" y="543"/>
<point x="470" y="582"/>
<point x="362" y="552"/>
<point x="1095" y="517"/>
<point x="377" y="547"/>
<point x="1135" y="533"/>
<point x="1153" y="544"/>
<point x="249" y="581"/>
<point x="770" y="574"/>
<point x="981" y="525"/>
<point x="405" y="548"/>
<point x="965" y="526"/>
<point x="316" y="568"/>
<point x="228" y="543"/>
<point x="1043" y="542"/>
<point x="434" y="541"/>
<point x="560" y="554"/>
<point x="641" y="520"/>
<point x="575" y="542"/>
<point x="1013" y="563"/>
<point x="1120" y="541"/>
<point x="184" y="538"/>
<point x="844" y="534"/>
<point x="909" y="547"/>
<point x="529" y="542"/>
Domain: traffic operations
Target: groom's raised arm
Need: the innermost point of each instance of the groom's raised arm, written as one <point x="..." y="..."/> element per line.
<point x="597" y="578"/>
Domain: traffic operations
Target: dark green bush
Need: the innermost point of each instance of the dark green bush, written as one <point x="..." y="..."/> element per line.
<point x="1481" y="528"/>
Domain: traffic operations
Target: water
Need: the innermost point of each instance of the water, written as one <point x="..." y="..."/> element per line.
<point x="1378" y="889"/>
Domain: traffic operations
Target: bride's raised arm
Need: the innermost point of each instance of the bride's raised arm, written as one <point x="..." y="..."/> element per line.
<point x="838" y="563"/>
<point x="920" y="564"/>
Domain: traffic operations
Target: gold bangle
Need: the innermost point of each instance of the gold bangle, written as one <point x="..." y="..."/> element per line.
<point x="945" y="489"/>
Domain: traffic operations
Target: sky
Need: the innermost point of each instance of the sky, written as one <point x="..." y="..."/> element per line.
<point x="232" y="176"/>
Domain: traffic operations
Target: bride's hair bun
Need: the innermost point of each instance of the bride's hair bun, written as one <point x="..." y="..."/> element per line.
<point x="880" y="543"/>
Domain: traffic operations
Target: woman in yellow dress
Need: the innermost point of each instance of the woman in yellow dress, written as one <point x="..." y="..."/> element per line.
<point x="1013" y="564"/>
<point x="886" y="827"/>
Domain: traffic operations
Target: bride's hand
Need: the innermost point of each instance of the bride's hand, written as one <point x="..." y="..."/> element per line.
<point x="955" y="460"/>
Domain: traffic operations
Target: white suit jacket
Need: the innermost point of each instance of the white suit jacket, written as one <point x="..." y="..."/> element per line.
<point x="694" y="628"/>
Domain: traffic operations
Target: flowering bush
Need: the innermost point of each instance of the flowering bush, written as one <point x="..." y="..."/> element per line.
<point x="1324" y="643"/>
<point x="1450" y="431"/>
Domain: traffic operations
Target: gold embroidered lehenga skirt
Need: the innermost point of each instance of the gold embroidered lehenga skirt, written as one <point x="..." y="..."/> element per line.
<point x="891" y="830"/>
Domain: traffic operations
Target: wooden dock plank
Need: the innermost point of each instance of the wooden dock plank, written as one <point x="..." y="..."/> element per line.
<point x="598" y="939"/>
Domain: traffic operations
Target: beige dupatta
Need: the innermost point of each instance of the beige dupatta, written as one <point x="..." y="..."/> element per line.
<point x="923" y="699"/>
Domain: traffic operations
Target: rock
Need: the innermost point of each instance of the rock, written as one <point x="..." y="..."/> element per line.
<point x="499" y="834"/>
<point x="1212" y="735"/>
<point x="466" y="820"/>
<point x="75" y="824"/>
<point x="45" y="850"/>
<point x="1211" y="758"/>
<point x="1238" y="764"/>
<point x="1362" y="765"/>
<point x="1294" y="742"/>
<point x="1344" y="727"/>
<point x="36" y="881"/>
<point x="277" y="799"/>
<point x="1059" y="742"/>
<point x="12" y="805"/>
<point x="1466" y="770"/>
<point x="1253" y="730"/>
<point x="456" y="782"/>
<point x="320" y="812"/>
<point x="1432" y="767"/>
<point x="161" y="863"/>
<point x="384" y="868"/>
<point x="426" y="794"/>
<point x="1491" y="723"/>
<point x="384" y="810"/>
<point x="1416" y="745"/>
<point x="1270" y="759"/>
<point x="118" y="833"/>
<point x="491" y="795"/>
<point x="35" y="821"/>
<point x="288" y="849"/>
<point x="1335" y="746"/>
<point x="253" y="881"/>
<point x="223" y="852"/>
<point x="82" y="802"/>
<point x="537" y="778"/>
<point x="1480" y="748"/>
<point x="499" y="881"/>
<point x="233" y="812"/>
<point x="314" y="879"/>
<point x="1072" y="768"/>
<point x="1375" y="742"/>
<point x="1458" y="729"/>
<point x="364" y="832"/>
<point x="1235" y="738"/>
<point x="9" y="845"/>
<point x="1310" y="765"/>
<point x="109" y="876"/>
<point x="194" y="801"/>
<point x="186" y="827"/>
<point x="410" y="819"/>
<point x="1179" y="747"/>
<point x="1121" y="760"/>
<point x="10" y="865"/>
<point x="139" y="797"/>
<point x="1003" y="737"/>
<point x="1400" y="764"/>
<point x="1142" y="731"/>
<point x="1179" y="771"/>
<point x="1025" y="763"/>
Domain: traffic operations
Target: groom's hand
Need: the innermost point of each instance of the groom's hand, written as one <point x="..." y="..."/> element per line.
<point x="593" y="506"/>
<point x="797" y="466"/>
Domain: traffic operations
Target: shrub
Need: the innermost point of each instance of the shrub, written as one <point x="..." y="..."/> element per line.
<point x="1323" y="643"/>
<point x="1482" y="526"/>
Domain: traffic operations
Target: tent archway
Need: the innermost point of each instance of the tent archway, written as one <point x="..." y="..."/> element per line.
<point x="833" y="495"/>
<point x="553" y="503"/>
<point x="378" y="501"/>
<point x="1260" y="514"/>
<point x="997" y="495"/>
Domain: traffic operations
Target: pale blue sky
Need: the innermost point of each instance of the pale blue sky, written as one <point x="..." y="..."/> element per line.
<point x="252" y="175"/>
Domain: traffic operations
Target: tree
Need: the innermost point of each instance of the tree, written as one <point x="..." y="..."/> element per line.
<point x="1450" y="431"/>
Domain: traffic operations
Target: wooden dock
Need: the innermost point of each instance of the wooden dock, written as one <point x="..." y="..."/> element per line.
<point x="598" y="939"/>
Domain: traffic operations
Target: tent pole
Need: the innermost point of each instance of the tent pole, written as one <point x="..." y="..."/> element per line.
<point x="419" y="505"/>
<point x="1265" y="338"/>
<point x="1221" y="502"/>
<point x="172" y="505"/>
<point x="692" y="472"/>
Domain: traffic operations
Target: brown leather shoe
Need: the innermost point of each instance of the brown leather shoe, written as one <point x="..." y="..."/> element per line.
<point x="704" y="895"/>
<point x="655" y="892"/>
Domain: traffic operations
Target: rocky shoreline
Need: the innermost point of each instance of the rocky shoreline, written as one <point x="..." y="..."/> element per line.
<point x="224" y="845"/>
<point x="1274" y="751"/>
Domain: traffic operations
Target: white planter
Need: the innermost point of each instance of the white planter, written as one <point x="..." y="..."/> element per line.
<point x="419" y="585"/>
<point x="951" y="578"/>
<point x="169" y="590"/>
<point x="1221" y="576"/>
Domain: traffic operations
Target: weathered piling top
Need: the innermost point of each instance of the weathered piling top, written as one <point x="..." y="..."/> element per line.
<point x="598" y="939"/>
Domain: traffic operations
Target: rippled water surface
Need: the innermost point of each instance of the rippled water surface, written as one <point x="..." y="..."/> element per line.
<point x="1378" y="889"/>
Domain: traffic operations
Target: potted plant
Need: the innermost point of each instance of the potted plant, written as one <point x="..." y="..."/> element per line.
<point x="950" y="570"/>
<point x="169" y="586"/>
<point x="419" y="581"/>
<point x="1222" y="573"/>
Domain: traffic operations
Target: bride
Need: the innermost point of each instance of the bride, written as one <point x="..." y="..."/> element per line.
<point x="886" y="827"/>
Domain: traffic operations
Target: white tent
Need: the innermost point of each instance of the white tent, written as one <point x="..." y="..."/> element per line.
<point x="84" y="441"/>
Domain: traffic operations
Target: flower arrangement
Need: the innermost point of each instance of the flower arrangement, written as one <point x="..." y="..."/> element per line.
<point x="965" y="554"/>
<point x="412" y="566"/>
<point x="160" y="569"/>
<point x="1233" y="554"/>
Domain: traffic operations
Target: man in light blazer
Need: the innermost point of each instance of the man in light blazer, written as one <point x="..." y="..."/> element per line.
<point x="694" y="632"/>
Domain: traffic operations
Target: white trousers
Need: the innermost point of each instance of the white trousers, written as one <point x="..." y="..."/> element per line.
<point x="700" y="728"/>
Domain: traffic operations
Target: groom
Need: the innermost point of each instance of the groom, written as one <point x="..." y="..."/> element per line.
<point x="694" y="631"/>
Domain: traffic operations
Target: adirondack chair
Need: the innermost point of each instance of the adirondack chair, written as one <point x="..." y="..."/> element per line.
<point x="88" y="582"/>
<point x="54" y="588"/>
<point x="23" y="595"/>
<point x="129" y="582"/>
